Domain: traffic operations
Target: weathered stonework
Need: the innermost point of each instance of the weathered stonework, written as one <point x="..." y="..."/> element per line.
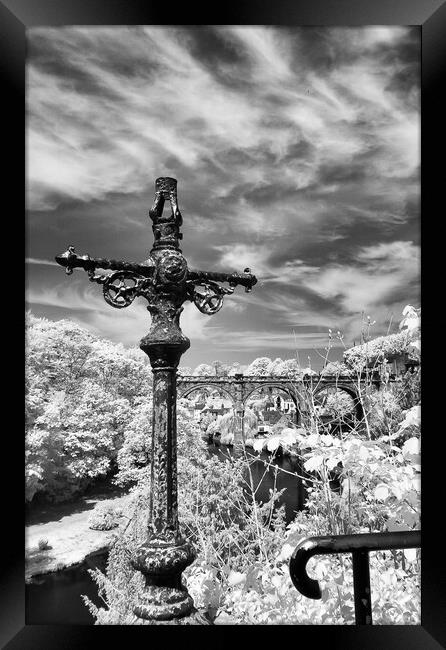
<point x="239" y="388"/>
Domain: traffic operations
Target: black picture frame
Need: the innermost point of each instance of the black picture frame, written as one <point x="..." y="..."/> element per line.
<point x="18" y="15"/>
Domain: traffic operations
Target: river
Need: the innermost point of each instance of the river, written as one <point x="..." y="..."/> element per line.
<point x="55" y="598"/>
<point x="284" y="477"/>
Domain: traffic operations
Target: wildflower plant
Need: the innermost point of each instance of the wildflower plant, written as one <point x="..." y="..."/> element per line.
<point x="362" y="478"/>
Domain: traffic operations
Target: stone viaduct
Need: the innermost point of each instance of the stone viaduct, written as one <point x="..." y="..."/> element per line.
<point x="239" y="388"/>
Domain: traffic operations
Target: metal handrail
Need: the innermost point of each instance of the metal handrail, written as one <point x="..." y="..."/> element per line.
<point x="359" y="546"/>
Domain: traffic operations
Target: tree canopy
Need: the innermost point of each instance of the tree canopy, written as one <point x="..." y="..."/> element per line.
<point x="258" y="367"/>
<point x="81" y="392"/>
<point x="203" y="370"/>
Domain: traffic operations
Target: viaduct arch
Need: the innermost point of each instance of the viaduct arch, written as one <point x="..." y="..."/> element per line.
<point x="200" y="386"/>
<point x="240" y="387"/>
<point x="351" y="389"/>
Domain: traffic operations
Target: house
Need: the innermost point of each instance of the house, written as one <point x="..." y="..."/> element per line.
<point x="216" y="406"/>
<point x="263" y="430"/>
<point x="288" y="406"/>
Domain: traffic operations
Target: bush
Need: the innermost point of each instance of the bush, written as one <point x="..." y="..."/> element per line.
<point x="384" y="412"/>
<point x="105" y="516"/>
<point x="241" y="574"/>
<point x="243" y="548"/>
<point x="43" y="544"/>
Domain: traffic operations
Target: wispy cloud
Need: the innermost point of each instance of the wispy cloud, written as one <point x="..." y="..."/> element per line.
<point x="86" y="306"/>
<point x="296" y="150"/>
<point x="32" y="260"/>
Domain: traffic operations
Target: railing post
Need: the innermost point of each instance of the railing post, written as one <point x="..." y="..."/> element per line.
<point x="359" y="545"/>
<point x="361" y="587"/>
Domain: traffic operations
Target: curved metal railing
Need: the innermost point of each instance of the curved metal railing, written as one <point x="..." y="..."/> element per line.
<point x="359" y="546"/>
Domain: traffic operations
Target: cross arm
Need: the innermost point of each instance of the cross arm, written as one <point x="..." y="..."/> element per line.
<point x="70" y="260"/>
<point x="246" y="279"/>
<point x="209" y="297"/>
<point x="128" y="280"/>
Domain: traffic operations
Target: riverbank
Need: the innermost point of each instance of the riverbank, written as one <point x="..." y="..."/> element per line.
<point x="70" y="540"/>
<point x="54" y="594"/>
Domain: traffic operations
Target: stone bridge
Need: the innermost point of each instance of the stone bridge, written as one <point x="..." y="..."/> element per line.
<point x="239" y="388"/>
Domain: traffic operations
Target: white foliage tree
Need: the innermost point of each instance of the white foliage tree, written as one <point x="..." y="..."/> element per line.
<point x="184" y="371"/>
<point x="80" y="393"/>
<point x="203" y="370"/>
<point x="258" y="367"/>
<point x="273" y="366"/>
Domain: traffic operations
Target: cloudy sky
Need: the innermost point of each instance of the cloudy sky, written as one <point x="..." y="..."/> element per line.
<point x="296" y="152"/>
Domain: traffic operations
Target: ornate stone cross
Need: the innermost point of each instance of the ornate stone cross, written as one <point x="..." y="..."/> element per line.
<point x="166" y="282"/>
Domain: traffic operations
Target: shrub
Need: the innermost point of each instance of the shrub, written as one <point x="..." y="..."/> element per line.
<point x="105" y="516"/>
<point x="375" y="351"/>
<point x="241" y="573"/>
<point x="43" y="544"/>
<point x="384" y="412"/>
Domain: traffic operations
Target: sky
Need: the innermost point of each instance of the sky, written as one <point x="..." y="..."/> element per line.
<point x="297" y="154"/>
